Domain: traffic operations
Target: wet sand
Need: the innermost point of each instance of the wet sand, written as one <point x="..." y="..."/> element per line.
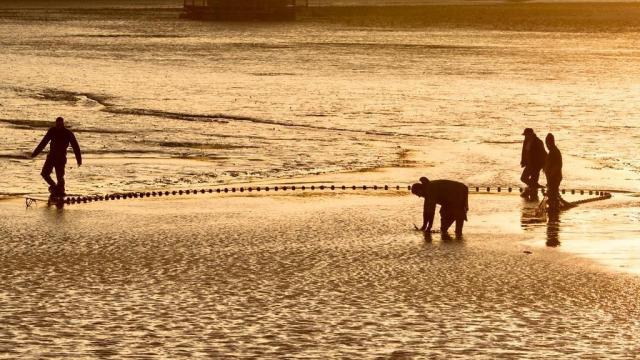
<point x="310" y="276"/>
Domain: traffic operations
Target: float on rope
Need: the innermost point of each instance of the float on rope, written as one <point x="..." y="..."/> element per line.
<point x="599" y="195"/>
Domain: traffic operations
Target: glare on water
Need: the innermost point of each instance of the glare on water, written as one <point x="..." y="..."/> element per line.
<point x="159" y="101"/>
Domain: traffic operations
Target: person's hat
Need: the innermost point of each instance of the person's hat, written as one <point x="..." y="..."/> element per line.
<point x="528" y="131"/>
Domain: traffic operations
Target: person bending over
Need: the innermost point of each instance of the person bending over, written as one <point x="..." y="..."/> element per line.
<point x="453" y="198"/>
<point x="60" y="138"/>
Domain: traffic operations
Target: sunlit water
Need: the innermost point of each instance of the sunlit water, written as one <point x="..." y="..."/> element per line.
<point x="159" y="102"/>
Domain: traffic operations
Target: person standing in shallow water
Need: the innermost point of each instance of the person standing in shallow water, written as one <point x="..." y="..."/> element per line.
<point x="553" y="173"/>
<point x="60" y="138"/>
<point x="532" y="160"/>
<point x="453" y="198"/>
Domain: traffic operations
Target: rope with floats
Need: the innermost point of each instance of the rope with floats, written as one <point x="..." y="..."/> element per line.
<point x="598" y="194"/>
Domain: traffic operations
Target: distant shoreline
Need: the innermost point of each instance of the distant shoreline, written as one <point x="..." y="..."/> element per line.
<point x="173" y="4"/>
<point x="518" y="16"/>
<point x="565" y="16"/>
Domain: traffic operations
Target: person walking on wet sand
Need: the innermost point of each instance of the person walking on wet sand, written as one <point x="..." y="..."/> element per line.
<point x="453" y="198"/>
<point x="532" y="160"/>
<point x="60" y="138"/>
<point x="553" y="173"/>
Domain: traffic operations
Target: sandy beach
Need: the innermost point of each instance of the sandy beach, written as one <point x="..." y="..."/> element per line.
<point x="307" y="275"/>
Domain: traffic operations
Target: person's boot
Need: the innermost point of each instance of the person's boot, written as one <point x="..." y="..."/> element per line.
<point x="53" y="190"/>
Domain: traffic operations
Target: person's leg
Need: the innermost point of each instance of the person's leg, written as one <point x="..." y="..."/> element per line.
<point x="526" y="178"/>
<point x="535" y="177"/>
<point x="47" y="168"/>
<point x="445" y="222"/>
<point x="553" y="195"/>
<point x="526" y="175"/>
<point x="563" y="203"/>
<point x="60" y="170"/>
<point x="459" y="226"/>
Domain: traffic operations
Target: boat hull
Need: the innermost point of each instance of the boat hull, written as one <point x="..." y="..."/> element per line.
<point x="245" y="10"/>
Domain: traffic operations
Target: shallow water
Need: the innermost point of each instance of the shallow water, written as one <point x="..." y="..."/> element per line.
<point x="162" y="102"/>
<point x="306" y="276"/>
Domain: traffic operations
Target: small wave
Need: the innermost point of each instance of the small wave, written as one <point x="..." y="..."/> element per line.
<point x="89" y="102"/>
<point x="210" y="146"/>
<point x="132" y="36"/>
<point x="106" y="106"/>
<point x="4" y="195"/>
<point x="506" y="142"/>
<point x="28" y="124"/>
<point x="119" y="152"/>
<point x="273" y="74"/>
<point x="220" y="117"/>
<point x="24" y="156"/>
<point x="101" y="131"/>
<point x="351" y="45"/>
<point x="316" y="115"/>
<point x="72" y="96"/>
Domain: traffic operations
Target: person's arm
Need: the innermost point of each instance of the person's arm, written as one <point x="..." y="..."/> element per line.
<point x="45" y="140"/>
<point x="428" y="214"/>
<point x="522" y="157"/>
<point x="554" y="165"/>
<point x="546" y="168"/>
<point x="548" y="162"/>
<point x="76" y="149"/>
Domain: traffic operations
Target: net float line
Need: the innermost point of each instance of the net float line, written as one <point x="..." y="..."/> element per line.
<point x="518" y="189"/>
<point x="603" y="196"/>
<point x="231" y="190"/>
<point x="293" y="188"/>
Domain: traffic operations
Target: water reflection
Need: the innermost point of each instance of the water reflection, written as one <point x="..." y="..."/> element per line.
<point x="53" y="213"/>
<point x="445" y="237"/>
<point x="533" y="217"/>
<point x="553" y="230"/>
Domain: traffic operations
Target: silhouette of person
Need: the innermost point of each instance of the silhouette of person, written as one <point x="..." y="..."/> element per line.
<point x="453" y="198"/>
<point x="553" y="230"/>
<point x="532" y="160"/>
<point x="553" y="172"/>
<point x="60" y="138"/>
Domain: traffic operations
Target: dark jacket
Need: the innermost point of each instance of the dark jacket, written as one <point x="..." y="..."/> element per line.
<point x="60" y="139"/>
<point x="553" y="165"/>
<point x="452" y="196"/>
<point x="536" y="155"/>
